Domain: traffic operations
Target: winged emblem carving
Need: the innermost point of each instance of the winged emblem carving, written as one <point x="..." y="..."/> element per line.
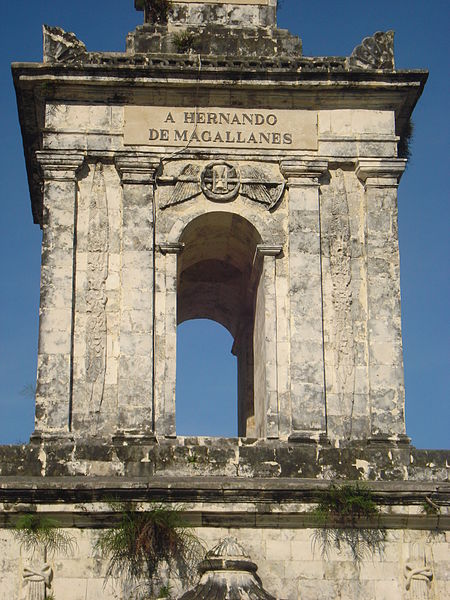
<point x="222" y="182"/>
<point x="187" y="186"/>
<point x="257" y="186"/>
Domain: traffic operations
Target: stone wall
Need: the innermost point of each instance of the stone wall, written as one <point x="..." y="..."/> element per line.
<point x="413" y="565"/>
<point x="327" y="365"/>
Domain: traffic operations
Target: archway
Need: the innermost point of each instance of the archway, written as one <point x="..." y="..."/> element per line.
<point x="218" y="278"/>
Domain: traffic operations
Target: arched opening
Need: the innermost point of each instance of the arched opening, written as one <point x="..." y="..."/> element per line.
<point x="206" y="389"/>
<point x="218" y="277"/>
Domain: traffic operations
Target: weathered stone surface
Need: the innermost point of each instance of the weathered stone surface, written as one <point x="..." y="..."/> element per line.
<point x="212" y="457"/>
<point x="376" y="52"/>
<point x="61" y="46"/>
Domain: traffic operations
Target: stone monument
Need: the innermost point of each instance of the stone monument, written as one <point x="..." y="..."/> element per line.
<point x="213" y="171"/>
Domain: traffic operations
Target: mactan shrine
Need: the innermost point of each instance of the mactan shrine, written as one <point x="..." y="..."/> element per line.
<point x="212" y="171"/>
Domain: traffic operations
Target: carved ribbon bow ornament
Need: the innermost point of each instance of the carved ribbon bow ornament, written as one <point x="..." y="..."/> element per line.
<point x="422" y="573"/>
<point x="42" y="575"/>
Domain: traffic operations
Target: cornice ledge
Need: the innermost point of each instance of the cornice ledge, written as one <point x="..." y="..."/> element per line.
<point x="380" y="168"/>
<point x="269" y="250"/>
<point x="171" y="248"/>
<point x="60" y="165"/>
<point x="303" y="168"/>
<point x="136" y="169"/>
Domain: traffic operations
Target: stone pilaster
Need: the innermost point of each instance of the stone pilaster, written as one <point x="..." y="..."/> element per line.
<point x="386" y="385"/>
<point x="270" y="358"/>
<point x="55" y="354"/>
<point x="135" y="393"/>
<point x="308" y="403"/>
<point x="166" y="362"/>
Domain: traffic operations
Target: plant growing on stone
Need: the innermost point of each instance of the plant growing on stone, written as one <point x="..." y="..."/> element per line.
<point x="157" y="11"/>
<point x="144" y="542"/>
<point x="340" y="517"/>
<point x="39" y="532"/>
<point x="165" y="591"/>
<point x="184" y="41"/>
<point x="404" y="145"/>
<point x="429" y="507"/>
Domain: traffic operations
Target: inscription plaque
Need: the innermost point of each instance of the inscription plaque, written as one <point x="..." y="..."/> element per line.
<point x="220" y="127"/>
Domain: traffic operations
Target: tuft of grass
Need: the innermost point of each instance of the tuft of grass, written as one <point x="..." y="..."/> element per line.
<point x="405" y="142"/>
<point x="339" y="517"/>
<point x="165" y="591"/>
<point x="35" y="531"/>
<point x="144" y="541"/>
<point x="429" y="507"/>
<point x="347" y="501"/>
<point x="185" y="41"/>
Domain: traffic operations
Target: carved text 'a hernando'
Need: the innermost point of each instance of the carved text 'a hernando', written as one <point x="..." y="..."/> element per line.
<point x="220" y="127"/>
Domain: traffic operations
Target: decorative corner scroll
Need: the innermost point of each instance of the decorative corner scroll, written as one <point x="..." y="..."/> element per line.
<point x="376" y="52"/>
<point x="187" y="186"/>
<point x="259" y="187"/>
<point x="36" y="580"/>
<point x="418" y="573"/>
<point x="419" y="576"/>
<point x="62" y="46"/>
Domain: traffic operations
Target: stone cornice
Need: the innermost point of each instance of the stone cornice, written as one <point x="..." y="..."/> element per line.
<point x="60" y="165"/>
<point x="380" y="172"/>
<point x="170" y="248"/>
<point x="302" y="172"/>
<point x="136" y="169"/>
<point x="268" y="250"/>
<point x="400" y="502"/>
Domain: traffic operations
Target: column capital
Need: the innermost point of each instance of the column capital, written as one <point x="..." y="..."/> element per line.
<point x="268" y="250"/>
<point x="60" y="165"/>
<point x="303" y="171"/>
<point x="170" y="248"/>
<point x="136" y="169"/>
<point x="380" y="172"/>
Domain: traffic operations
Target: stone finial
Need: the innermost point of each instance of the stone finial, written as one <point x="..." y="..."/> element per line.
<point x="61" y="46"/>
<point x="376" y="52"/>
<point x="227" y="548"/>
<point x="227" y="572"/>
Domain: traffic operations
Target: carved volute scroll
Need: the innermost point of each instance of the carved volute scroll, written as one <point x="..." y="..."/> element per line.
<point x="61" y="46"/>
<point x="376" y="52"/>
<point x="97" y="273"/>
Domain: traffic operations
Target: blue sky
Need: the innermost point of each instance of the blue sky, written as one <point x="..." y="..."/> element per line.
<point x="327" y="28"/>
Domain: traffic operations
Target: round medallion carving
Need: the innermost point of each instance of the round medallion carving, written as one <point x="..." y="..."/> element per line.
<point x="220" y="181"/>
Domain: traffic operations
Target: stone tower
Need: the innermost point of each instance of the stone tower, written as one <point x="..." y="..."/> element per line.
<point x="213" y="171"/>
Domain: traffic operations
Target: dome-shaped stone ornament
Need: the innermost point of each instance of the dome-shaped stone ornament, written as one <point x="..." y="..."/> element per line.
<point x="227" y="573"/>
